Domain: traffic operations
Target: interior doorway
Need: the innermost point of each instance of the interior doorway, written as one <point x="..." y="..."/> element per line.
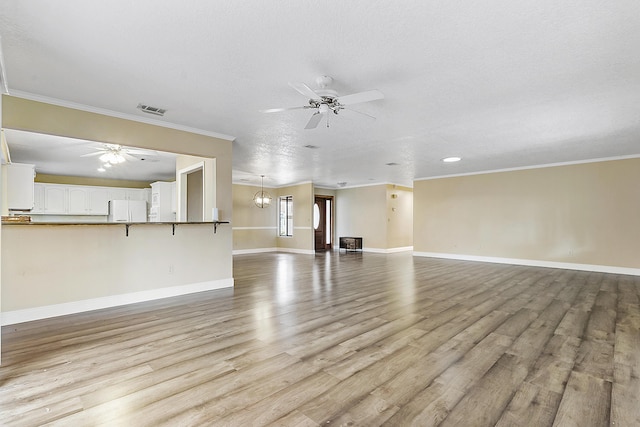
<point x="195" y="196"/>
<point x="323" y="222"/>
<point x="191" y="197"/>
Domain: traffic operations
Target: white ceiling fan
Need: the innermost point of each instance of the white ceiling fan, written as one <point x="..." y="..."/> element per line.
<point x="115" y="153"/>
<point x="325" y="100"/>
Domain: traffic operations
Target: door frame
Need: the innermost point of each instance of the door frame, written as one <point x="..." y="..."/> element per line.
<point x="181" y="187"/>
<point x="330" y="245"/>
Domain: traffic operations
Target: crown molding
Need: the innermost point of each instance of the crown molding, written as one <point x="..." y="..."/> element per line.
<point x="547" y="165"/>
<point x="125" y="116"/>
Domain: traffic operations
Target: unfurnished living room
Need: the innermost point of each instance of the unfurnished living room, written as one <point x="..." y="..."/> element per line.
<point x="305" y="213"/>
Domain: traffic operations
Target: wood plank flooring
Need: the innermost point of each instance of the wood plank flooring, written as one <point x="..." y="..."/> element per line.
<point x="344" y="340"/>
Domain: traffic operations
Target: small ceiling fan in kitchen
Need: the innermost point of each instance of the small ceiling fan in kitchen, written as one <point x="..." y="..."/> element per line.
<point x="114" y="154"/>
<point x="325" y="100"/>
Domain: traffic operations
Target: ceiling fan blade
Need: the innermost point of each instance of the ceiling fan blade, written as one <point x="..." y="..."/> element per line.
<point x="305" y="90"/>
<point x="356" y="98"/>
<point x="277" y="110"/>
<point x="314" y="121"/>
<point x="140" y="151"/>
<point x="359" y="112"/>
<point x="97" y="153"/>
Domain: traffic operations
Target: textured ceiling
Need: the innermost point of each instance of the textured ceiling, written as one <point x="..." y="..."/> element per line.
<point x="502" y="84"/>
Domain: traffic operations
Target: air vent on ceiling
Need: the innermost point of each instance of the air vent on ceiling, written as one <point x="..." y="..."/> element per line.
<point x="151" y="110"/>
<point x="311" y="147"/>
<point x="392" y="164"/>
<point x="342" y="184"/>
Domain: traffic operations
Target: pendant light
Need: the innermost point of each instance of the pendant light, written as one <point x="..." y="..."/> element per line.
<point x="261" y="198"/>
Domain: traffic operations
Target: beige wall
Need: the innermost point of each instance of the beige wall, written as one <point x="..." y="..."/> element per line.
<point x="303" y="200"/>
<point x="362" y="212"/>
<point x="583" y="214"/>
<point x="77" y="269"/>
<point x="97" y="182"/>
<point x="253" y="228"/>
<point x="256" y="229"/>
<point x="46" y="265"/>
<point x="399" y="217"/>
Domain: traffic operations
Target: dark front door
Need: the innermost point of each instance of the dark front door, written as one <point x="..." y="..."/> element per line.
<point x="322" y="223"/>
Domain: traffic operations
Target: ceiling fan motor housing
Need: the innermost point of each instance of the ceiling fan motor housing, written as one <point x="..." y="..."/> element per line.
<point x="328" y="98"/>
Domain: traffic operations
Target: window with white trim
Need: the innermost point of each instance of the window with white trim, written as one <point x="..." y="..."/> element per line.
<point x="285" y="216"/>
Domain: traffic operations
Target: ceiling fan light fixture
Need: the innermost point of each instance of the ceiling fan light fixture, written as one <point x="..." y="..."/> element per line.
<point x="262" y="199"/>
<point x="113" y="157"/>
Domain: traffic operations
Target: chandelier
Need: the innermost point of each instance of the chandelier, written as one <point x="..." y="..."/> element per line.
<point x="261" y="198"/>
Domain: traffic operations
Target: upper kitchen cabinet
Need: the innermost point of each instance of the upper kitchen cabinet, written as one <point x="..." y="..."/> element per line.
<point x="88" y="201"/>
<point x="66" y="199"/>
<point x="20" y="186"/>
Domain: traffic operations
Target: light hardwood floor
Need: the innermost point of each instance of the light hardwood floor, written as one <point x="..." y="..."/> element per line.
<point x="342" y="339"/>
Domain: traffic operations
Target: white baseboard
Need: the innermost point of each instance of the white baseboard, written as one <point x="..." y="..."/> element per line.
<point x="263" y="250"/>
<point x="535" y="263"/>
<point x="253" y="251"/>
<point x="400" y="249"/>
<point x="312" y="252"/>
<point x="44" y="312"/>
<point x="388" y="251"/>
<point x="297" y="251"/>
<point x="375" y="250"/>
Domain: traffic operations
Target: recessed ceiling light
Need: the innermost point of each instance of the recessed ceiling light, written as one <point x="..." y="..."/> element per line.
<point x="451" y="159"/>
<point x="101" y="169"/>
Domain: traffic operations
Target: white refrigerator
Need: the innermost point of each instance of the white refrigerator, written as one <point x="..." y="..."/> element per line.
<point x="127" y="211"/>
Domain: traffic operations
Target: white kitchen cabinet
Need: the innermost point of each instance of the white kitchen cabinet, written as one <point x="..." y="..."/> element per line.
<point x="55" y="200"/>
<point x="97" y="201"/>
<point x="136" y="194"/>
<point x="117" y="194"/>
<point x="64" y="199"/>
<point x="38" y="198"/>
<point x="85" y="200"/>
<point x="20" y="186"/>
<point x="77" y="201"/>
<point x="128" y="194"/>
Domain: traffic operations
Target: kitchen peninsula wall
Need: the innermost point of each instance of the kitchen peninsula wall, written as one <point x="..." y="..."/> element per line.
<point x="59" y="269"/>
